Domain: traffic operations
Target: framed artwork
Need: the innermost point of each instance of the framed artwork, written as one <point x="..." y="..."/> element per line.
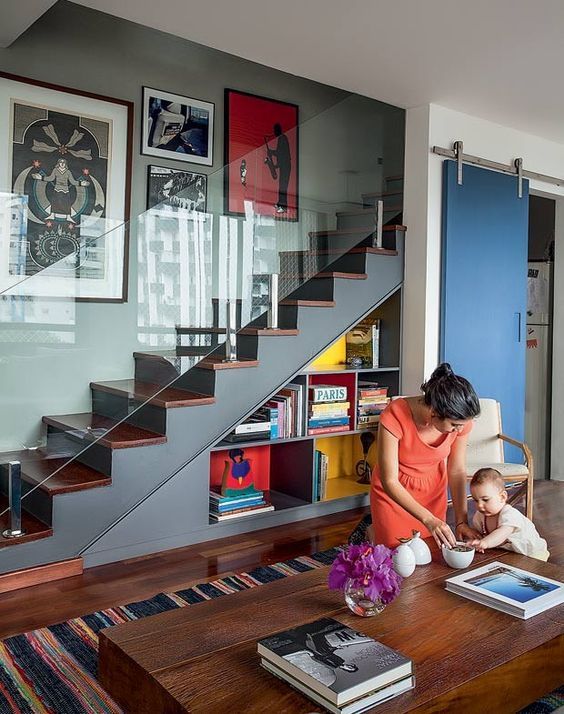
<point x="66" y="157"/>
<point x="172" y="189"/>
<point x="176" y="127"/>
<point x="261" y="155"/>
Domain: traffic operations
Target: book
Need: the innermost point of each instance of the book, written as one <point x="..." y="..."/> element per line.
<point x="512" y="590"/>
<point x="338" y="663"/>
<point x="357" y="706"/>
<point x="327" y="393"/>
<point x="327" y="429"/>
<point x="371" y="389"/>
<point x="363" y="342"/>
<point x="241" y="512"/>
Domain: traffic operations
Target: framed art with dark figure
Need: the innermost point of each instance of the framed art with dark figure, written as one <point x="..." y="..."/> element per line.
<point x="177" y="127"/>
<point x="66" y="157"/>
<point x="261" y="155"/>
<point x="171" y="189"/>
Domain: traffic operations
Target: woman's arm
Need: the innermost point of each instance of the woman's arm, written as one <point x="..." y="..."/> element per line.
<point x="388" y="462"/>
<point x="456" y="469"/>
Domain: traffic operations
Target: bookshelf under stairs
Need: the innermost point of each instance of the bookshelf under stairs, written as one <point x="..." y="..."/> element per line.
<point x="139" y="480"/>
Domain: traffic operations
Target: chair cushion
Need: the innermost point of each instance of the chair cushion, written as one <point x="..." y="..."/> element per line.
<point x="504" y="469"/>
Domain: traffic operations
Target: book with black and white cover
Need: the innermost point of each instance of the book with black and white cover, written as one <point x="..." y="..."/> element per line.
<point x="509" y="589"/>
<point x="337" y="662"/>
<point x="357" y="706"/>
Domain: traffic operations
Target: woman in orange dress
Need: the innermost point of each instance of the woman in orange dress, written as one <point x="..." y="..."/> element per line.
<point x="422" y="452"/>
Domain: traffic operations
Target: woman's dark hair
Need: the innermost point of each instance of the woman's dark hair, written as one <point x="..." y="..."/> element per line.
<point x="450" y="396"/>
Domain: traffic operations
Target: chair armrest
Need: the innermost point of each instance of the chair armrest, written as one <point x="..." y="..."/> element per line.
<point x="527" y="453"/>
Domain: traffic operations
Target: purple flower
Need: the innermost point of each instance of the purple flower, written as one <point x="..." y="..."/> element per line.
<point x="369" y="567"/>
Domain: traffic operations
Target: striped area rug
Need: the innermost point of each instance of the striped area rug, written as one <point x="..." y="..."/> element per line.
<point x="53" y="670"/>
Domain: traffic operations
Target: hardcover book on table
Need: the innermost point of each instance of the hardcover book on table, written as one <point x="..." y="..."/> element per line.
<point x="512" y="590"/>
<point x="335" y="661"/>
<point x="356" y="706"/>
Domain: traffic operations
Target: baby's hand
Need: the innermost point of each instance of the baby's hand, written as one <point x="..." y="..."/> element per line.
<point x="478" y="545"/>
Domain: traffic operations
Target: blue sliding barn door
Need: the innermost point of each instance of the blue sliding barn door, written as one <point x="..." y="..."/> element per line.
<point x="484" y="287"/>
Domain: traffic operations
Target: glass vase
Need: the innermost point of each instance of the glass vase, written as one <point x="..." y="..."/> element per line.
<point x="358" y="603"/>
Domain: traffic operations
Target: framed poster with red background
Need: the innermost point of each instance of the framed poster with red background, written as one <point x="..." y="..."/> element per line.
<point x="261" y="155"/>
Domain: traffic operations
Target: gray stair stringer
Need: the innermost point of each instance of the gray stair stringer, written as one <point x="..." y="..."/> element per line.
<point x="78" y="523"/>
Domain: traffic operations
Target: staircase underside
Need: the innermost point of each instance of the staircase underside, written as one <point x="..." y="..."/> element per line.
<point x="166" y="440"/>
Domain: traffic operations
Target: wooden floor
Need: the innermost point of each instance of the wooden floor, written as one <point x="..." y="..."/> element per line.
<point x="137" y="579"/>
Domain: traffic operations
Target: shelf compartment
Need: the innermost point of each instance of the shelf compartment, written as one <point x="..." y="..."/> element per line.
<point x="343" y="454"/>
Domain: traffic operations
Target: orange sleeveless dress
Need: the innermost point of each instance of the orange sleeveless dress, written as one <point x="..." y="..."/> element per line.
<point x="422" y="472"/>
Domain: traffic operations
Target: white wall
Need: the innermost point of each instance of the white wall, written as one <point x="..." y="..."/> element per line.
<point x="433" y="125"/>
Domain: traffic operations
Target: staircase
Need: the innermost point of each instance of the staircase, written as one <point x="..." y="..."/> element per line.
<point x="138" y="481"/>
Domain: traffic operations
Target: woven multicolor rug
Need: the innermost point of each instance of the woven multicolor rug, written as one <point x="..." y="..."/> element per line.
<point x="53" y="670"/>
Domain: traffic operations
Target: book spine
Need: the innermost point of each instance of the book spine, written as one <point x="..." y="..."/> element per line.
<point x="250" y="427"/>
<point x="325" y="430"/>
<point x="336" y="421"/>
<point x="327" y="393"/>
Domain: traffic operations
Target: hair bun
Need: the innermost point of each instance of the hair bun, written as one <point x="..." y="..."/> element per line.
<point x="443" y="370"/>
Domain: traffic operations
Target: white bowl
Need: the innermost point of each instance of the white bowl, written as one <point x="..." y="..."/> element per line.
<point x="458" y="558"/>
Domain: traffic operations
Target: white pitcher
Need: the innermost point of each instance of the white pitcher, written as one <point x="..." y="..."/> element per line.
<point x="420" y="549"/>
<point x="403" y="559"/>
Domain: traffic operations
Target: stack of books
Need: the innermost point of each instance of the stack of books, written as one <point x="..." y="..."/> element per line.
<point x="247" y="503"/>
<point x="320" y="469"/>
<point x="340" y="669"/>
<point x="328" y="409"/>
<point x="512" y="590"/>
<point x="372" y="399"/>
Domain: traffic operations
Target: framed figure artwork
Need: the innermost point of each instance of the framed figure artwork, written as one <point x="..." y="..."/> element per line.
<point x="261" y="155"/>
<point x="171" y="189"/>
<point x="65" y="163"/>
<point x="177" y="127"/>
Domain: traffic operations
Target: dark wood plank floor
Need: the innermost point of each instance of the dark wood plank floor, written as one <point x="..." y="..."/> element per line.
<point x="127" y="581"/>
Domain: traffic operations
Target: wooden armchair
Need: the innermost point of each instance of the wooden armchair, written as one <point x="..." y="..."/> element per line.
<point x="485" y="448"/>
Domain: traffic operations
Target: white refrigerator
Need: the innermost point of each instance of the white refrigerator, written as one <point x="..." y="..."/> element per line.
<point x="539" y="364"/>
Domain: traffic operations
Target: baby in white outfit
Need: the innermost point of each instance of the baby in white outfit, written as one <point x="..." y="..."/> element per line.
<point x="500" y="524"/>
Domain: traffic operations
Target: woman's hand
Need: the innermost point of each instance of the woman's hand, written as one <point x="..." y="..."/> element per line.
<point x="465" y="532"/>
<point x="440" y="530"/>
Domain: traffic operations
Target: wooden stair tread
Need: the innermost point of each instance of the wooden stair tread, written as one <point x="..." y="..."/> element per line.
<point x="35" y="529"/>
<point x="381" y="194"/>
<point x="331" y="274"/>
<point x="200" y="330"/>
<point x="338" y="251"/>
<point x="354" y="231"/>
<point x="369" y="211"/>
<point x="117" y="435"/>
<point x="308" y="303"/>
<point x="63" y="476"/>
<point x="269" y="331"/>
<point x="167" y="397"/>
<point x="215" y="363"/>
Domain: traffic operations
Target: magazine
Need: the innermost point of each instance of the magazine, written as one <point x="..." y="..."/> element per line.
<point x="357" y="706"/>
<point x="335" y="661"/>
<point x="512" y="590"/>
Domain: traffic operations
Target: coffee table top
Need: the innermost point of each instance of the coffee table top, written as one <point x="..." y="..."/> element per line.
<point x="204" y="657"/>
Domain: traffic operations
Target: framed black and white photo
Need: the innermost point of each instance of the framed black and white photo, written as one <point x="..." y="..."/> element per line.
<point x="171" y="189"/>
<point x="177" y="127"/>
<point x="66" y="157"/>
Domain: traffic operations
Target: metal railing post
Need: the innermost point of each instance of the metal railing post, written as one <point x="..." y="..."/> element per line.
<point x="15" y="529"/>
<point x="377" y="235"/>
<point x="272" y="315"/>
<point x="231" y="332"/>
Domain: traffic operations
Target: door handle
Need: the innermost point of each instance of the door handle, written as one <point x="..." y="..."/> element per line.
<point x="518" y="325"/>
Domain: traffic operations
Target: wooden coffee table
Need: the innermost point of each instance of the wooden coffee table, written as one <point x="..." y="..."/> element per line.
<point x="468" y="657"/>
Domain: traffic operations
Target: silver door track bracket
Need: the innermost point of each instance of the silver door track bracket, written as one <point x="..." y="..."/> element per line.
<point x="459" y="153"/>
<point x="519" y="170"/>
<point x="515" y="168"/>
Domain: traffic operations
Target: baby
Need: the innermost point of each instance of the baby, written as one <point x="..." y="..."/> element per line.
<point x="499" y="523"/>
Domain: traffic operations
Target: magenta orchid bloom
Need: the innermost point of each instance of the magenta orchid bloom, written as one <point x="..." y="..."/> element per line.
<point x="369" y="567"/>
